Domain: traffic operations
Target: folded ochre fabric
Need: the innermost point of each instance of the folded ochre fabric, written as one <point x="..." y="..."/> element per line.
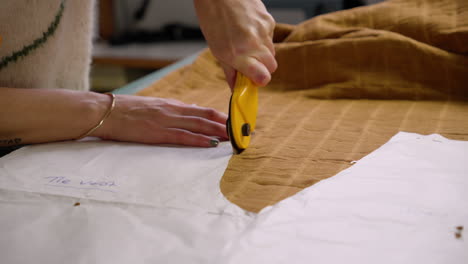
<point x="345" y="84"/>
<point x="401" y="49"/>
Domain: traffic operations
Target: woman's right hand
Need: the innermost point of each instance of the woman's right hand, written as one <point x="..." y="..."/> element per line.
<point x="163" y="121"/>
<point x="240" y="35"/>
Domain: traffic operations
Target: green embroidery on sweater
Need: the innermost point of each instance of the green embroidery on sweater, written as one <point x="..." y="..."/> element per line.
<point x="26" y="50"/>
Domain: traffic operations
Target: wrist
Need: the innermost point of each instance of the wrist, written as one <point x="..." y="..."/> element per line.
<point x="98" y="109"/>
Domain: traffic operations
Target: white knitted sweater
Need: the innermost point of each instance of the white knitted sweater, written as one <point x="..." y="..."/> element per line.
<point x="45" y="43"/>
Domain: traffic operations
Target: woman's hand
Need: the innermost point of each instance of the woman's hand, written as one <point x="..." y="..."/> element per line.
<point x="30" y="116"/>
<point x="239" y="33"/>
<point x="156" y="120"/>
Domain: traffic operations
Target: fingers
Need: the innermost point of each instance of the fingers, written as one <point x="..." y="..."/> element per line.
<point x="203" y="112"/>
<point x="199" y="125"/>
<point x="257" y="65"/>
<point x="268" y="59"/>
<point x="254" y="70"/>
<point x="271" y="48"/>
<point x="187" y="138"/>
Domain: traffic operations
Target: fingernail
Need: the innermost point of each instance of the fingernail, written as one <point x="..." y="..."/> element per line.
<point x="214" y="142"/>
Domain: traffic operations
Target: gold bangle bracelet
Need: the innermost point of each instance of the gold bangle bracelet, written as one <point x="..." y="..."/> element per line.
<point x="106" y="115"/>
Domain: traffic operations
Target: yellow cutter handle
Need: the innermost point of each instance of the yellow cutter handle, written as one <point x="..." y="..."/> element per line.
<point x="243" y="111"/>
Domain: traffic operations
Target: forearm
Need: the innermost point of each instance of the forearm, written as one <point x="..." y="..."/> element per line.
<point x="29" y="116"/>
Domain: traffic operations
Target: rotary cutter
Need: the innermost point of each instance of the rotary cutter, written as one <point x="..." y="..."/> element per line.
<point x="243" y="108"/>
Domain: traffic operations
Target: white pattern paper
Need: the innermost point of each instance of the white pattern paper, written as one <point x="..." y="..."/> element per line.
<point x="107" y="202"/>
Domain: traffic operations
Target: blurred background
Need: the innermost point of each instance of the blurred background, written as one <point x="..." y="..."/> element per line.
<point x="136" y="37"/>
